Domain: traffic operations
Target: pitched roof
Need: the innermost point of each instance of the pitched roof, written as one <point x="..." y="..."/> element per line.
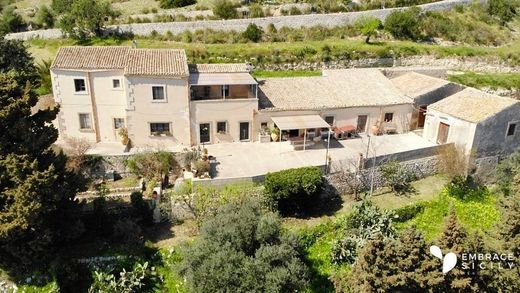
<point x="79" y="57"/>
<point x="335" y="89"/>
<point x="151" y="62"/>
<point x="472" y="105"/>
<point x="162" y="62"/>
<point x="219" y="68"/>
<point x="414" y="84"/>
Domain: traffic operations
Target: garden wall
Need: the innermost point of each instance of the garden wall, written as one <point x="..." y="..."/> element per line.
<point x="295" y="21"/>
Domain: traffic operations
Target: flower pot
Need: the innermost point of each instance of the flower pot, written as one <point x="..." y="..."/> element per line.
<point x="274" y="136"/>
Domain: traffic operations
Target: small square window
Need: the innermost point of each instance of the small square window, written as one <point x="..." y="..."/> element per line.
<point x="160" y="128"/>
<point x="158" y="93"/>
<point x="389" y="117"/>
<point x="119" y="123"/>
<point x="84" y="121"/>
<point x="222" y="127"/>
<point x="116" y="83"/>
<point x="79" y="85"/>
<point x="263" y="125"/>
<point x="511" y="129"/>
<point x="329" y="120"/>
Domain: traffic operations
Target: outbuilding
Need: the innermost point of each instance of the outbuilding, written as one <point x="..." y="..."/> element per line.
<point x="483" y="124"/>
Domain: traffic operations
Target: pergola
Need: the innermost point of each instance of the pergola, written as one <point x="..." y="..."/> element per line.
<point x="302" y="122"/>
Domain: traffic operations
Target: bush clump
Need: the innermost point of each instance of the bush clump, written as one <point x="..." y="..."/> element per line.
<point x="293" y="189"/>
<point x="243" y="249"/>
<point x="175" y="3"/>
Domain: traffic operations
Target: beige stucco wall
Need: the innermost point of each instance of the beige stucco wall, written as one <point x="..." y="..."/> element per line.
<point x="461" y="132"/>
<point x="142" y="110"/>
<point x="232" y="111"/>
<point x="348" y="116"/>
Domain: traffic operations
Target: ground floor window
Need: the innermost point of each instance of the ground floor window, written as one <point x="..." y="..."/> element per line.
<point x="244" y="130"/>
<point x="222" y="127"/>
<point x="84" y="121"/>
<point x="389" y="117"/>
<point x="160" y="128"/>
<point x="329" y="120"/>
<point x="119" y="123"/>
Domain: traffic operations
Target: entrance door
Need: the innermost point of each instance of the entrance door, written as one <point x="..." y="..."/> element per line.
<point x="244" y="130"/>
<point x="204" y="133"/>
<point x="362" y="123"/>
<point x="442" y="136"/>
<point x="422" y="116"/>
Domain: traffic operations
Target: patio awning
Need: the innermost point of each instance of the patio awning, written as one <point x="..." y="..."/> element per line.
<point x="221" y="78"/>
<point x="300" y="122"/>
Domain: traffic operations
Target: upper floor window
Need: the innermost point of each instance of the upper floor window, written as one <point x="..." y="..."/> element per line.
<point x="116" y="83"/>
<point x="79" y="85"/>
<point x="511" y="129"/>
<point x="84" y="121"/>
<point x="158" y="93"/>
<point x="389" y="117"/>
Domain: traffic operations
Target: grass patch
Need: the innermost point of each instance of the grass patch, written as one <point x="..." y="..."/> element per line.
<point x="290" y="73"/>
<point x="492" y="80"/>
<point x="474" y="214"/>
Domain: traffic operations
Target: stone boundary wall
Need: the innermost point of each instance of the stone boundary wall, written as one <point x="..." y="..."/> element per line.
<point x="405" y="156"/>
<point x="295" y="21"/>
<point x="421" y="168"/>
<point x="480" y="64"/>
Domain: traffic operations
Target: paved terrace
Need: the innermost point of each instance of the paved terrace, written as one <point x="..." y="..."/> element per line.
<point x="251" y="159"/>
<point x="245" y="159"/>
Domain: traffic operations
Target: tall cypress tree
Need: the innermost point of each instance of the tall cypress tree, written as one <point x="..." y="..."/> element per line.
<point x="37" y="206"/>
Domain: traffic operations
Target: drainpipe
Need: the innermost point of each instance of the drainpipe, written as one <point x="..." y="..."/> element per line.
<point x="94" y="107"/>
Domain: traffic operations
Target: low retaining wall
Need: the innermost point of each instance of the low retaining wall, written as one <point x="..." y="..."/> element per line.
<point x="404" y="156"/>
<point x="295" y="21"/>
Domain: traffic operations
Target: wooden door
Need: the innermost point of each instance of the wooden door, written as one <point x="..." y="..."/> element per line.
<point x="204" y="133"/>
<point x="362" y="123"/>
<point x="422" y="116"/>
<point x="442" y="135"/>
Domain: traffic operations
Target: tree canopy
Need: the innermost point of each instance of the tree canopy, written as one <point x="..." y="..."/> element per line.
<point x="82" y="19"/>
<point x="243" y="249"/>
<point x="36" y="190"/>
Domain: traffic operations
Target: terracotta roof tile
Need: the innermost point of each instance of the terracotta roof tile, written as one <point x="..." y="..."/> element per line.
<point x="335" y="89"/>
<point x="472" y="105"/>
<point x="415" y="84"/>
<point x="153" y="62"/>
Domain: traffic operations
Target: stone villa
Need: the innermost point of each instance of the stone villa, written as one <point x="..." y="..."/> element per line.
<point x="160" y="99"/>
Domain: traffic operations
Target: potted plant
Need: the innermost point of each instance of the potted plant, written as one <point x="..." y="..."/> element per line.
<point x="275" y="133"/>
<point x="123" y="133"/>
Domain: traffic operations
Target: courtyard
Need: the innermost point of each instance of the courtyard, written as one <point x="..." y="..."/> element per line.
<point x="248" y="159"/>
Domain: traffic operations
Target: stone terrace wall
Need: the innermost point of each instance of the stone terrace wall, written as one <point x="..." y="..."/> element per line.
<point x="296" y="21"/>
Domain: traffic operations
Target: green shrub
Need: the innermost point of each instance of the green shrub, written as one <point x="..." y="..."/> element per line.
<point x="256" y="10"/>
<point x="293" y="189"/>
<point x="243" y="249"/>
<point x="128" y="232"/>
<point x="344" y="250"/>
<point x="465" y="188"/>
<point x="141" y="278"/>
<point x="224" y="9"/>
<point x="253" y="33"/>
<point x="175" y="3"/>
<point x="408" y="212"/>
<point x="405" y="24"/>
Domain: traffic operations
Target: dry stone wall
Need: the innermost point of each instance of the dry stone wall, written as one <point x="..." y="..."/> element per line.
<point x="309" y="20"/>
